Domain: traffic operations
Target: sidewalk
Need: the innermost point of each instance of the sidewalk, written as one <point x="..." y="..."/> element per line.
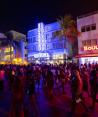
<point x="58" y="106"/>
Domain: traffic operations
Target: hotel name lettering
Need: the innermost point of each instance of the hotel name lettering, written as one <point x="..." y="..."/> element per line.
<point x="87" y="48"/>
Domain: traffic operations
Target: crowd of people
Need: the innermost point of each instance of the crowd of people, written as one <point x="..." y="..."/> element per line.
<point x="22" y="80"/>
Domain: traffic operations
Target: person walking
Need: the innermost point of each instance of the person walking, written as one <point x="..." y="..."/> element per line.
<point x="77" y="89"/>
<point x="2" y="77"/>
<point x="94" y="86"/>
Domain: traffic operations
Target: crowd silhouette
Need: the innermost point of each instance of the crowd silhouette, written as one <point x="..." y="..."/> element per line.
<point x="22" y="81"/>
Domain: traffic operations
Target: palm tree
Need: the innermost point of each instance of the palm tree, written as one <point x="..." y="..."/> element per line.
<point x="70" y="32"/>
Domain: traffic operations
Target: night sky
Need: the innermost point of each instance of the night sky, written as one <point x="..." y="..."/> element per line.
<point x="23" y="15"/>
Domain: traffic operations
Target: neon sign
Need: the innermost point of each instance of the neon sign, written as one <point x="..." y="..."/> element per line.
<point x="41" y="55"/>
<point x="41" y="37"/>
<point x="91" y="47"/>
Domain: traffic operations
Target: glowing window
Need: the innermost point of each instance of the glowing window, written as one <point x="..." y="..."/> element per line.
<point x="7" y="57"/>
<point x="58" y="56"/>
<point x="8" y="49"/>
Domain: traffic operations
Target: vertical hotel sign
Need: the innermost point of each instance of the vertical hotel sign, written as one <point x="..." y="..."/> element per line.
<point x="88" y="48"/>
<point x="41" y="37"/>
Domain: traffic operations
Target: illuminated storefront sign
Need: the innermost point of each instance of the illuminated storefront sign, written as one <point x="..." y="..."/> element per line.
<point x="91" y="47"/>
<point x="41" y="55"/>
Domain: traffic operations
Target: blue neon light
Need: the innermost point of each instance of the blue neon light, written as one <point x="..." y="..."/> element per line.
<point x="45" y="47"/>
<point x="41" y="37"/>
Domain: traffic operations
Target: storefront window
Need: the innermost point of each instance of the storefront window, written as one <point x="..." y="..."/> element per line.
<point x="89" y="60"/>
<point x="58" y="56"/>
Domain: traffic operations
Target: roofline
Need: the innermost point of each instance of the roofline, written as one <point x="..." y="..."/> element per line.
<point x="88" y="14"/>
<point x="33" y="29"/>
<point x="45" y="25"/>
<point x="51" y="23"/>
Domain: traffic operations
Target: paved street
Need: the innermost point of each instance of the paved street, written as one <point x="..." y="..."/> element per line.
<point x="58" y="106"/>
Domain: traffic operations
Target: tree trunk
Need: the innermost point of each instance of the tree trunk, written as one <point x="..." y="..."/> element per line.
<point x="71" y="47"/>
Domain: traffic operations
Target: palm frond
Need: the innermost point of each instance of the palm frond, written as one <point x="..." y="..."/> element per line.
<point x="69" y="30"/>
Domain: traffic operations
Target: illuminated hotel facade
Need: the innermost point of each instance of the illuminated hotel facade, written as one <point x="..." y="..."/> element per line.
<point x="88" y="40"/>
<point x="43" y="46"/>
<point x="12" y="50"/>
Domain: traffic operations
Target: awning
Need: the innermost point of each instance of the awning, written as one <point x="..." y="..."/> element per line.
<point x="86" y="55"/>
